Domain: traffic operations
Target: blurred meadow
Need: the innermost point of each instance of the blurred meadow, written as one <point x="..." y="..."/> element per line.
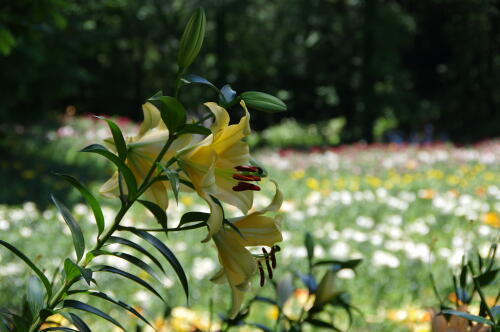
<point x="389" y="151"/>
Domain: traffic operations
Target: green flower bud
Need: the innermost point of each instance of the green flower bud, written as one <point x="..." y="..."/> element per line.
<point x="263" y="102"/>
<point x="192" y="39"/>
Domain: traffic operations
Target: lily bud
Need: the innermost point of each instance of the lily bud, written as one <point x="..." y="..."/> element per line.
<point x="192" y="39"/>
<point x="263" y="102"/>
<point x="325" y="291"/>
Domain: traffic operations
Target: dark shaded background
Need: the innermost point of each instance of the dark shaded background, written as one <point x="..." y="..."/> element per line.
<point x="431" y="65"/>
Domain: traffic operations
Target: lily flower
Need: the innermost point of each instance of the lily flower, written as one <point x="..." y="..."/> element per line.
<point x="142" y="152"/>
<point x="217" y="166"/>
<point x="238" y="263"/>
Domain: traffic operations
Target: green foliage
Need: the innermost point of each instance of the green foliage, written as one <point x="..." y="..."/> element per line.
<point x="334" y="59"/>
<point x="290" y="133"/>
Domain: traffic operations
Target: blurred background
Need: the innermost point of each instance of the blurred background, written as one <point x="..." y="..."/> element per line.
<point x="373" y="88"/>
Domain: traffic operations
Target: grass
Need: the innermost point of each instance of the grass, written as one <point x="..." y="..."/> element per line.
<point x="405" y="210"/>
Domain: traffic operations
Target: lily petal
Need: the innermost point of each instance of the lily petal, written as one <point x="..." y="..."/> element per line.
<point x="152" y="118"/>
<point x="258" y="230"/>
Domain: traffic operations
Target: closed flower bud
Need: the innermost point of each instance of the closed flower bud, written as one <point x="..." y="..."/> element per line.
<point x="192" y="39"/>
<point x="263" y="102"/>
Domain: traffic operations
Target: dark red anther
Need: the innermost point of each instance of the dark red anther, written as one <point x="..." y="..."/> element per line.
<point x="245" y="168"/>
<point x="268" y="266"/>
<point x="273" y="257"/>
<point x="242" y="177"/>
<point x="262" y="276"/>
<point x="242" y="186"/>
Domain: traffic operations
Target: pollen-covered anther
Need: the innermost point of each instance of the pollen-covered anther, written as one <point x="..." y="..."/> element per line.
<point x="251" y="169"/>
<point x="262" y="276"/>
<point x="242" y="177"/>
<point x="243" y="186"/>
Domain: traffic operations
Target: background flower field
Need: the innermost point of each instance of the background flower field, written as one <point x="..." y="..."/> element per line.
<point x="403" y="209"/>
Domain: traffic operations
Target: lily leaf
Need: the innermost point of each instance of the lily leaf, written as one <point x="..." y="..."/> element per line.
<point x="121" y="146"/>
<point x="168" y="254"/>
<point x="115" y="301"/>
<point x="79" y="323"/>
<point x="191" y="78"/>
<point x="227" y="94"/>
<point x="76" y="231"/>
<point x="157" y="211"/>
<point x="91" y="200"/>
<point x="110" y="269"/>
<point x="468" y="316"/>
<point x="85" y="307"/>
<point x="172" y="111"/>
<point x="133" y="245"/>
<point x="189" y="217"/>
<point x="125" y="171"/>
<point x="35" y="295"/>
<point x="131" y="259"/>
<point x="73" y="270"/>
<point x="35" y="269"/>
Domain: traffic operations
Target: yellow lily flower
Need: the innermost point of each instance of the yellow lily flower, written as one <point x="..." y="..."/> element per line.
<point x="238" y="263"/>
<point x="142" y="151"/>
<point x="213" y="166"/>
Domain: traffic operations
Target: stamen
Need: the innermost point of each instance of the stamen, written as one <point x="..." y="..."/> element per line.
<point x="245" y="168"/>
<point x="242" y="177"/>
<point x="242" y="186"/>
<point x="262" y="276"/>
<point x="273" y="257"/>
<point x="268" y="266"/>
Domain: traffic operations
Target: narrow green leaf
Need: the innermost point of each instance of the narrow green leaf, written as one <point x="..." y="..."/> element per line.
<point x="79" y="323"/>
<point x="125" y="171"/>
<point x="173" y="178"/>
<point x="76" y="231"/>
<point x="172" y="111"/>
<point x="189" y="217"/>
<point x="192" y="39"/>
<point x="73" y="270"/>
<point x="463" y="275"/>
<point x="190" y="79"/>
<point x="35" y="269"/>
<point x="487" y="278"/>
<point x="338" y="264"/>
<point x="125" y="242"/>
<point x="59" y="328"/>
<point x="263" y="101"/>
<point x="168" y="254"/>
<point x="35" y="295"/>
<point x="91" y="200"/>
<point x="119" y="141"/>
<point x="115" y="301"/>
<point x="192" y="128"/>
<point x="468" y="316"/>
<point x="110" y="269"/>
<point x="131" y="259"/>
<point x="157" y="212"/>
<point x="85" y="307"/>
